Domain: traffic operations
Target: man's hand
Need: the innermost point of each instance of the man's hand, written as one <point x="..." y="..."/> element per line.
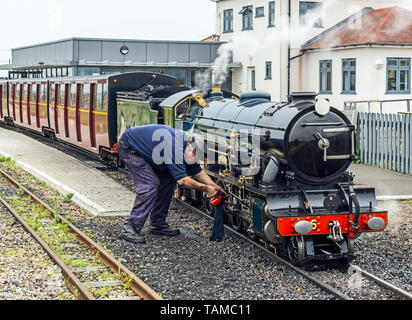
<point x="213" y="191"/>
<point x="206" y="185"/>
<point x="221" y="190"/>
<point x="204" y="178"/>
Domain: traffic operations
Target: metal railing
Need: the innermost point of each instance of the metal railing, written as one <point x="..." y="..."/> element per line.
<point x="385" y="140"/>
<point x="353" y="105"/>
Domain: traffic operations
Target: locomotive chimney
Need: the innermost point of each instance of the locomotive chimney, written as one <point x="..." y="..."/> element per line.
<point x="302" y="96"/>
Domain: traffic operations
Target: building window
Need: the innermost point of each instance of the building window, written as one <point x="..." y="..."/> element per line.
<point x="310" y="14"/>
<point x="228" y="20"/>
<point x="247" y="13"/>
<point x="268" y="70"/>
<point x="349" y="76"/>
<point x="398" y="75"/>
<point x="179" y="74"/>
<point x="260" y="12"/>
<point x="325" y="76"/>
<point x="253" y="79"/>
<point x="271" y="14"/>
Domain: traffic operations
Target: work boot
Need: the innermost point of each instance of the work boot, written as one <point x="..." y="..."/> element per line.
<point x="164" y="230"/>
<point x="131" y="233"/>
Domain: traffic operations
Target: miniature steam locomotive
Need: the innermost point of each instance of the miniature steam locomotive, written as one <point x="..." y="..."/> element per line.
<point x="293" y="192"/>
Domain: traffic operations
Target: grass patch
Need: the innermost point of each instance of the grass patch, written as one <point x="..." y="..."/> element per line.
<point x="6" y="160"/>
<point x="68" y="198"/>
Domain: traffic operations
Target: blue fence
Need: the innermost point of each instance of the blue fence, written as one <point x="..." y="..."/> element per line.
<point x="385" y="140"/>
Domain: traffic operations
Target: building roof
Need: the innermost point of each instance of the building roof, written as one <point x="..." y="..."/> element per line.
<point x="385" y="26"/>
<point x="96" y="52"/>
<point x="212" y="37"/>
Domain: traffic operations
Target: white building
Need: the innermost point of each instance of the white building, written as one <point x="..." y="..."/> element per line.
<point x="267" y="35"/>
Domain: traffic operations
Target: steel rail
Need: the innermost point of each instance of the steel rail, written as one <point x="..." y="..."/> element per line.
<point x="319" y="283"/>
<point x="70" y="278"/>
<point x="136" y="284"/>
<point x="382" y="282"/>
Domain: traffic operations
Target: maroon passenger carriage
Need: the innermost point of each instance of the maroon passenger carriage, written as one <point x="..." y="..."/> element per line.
<point x="81" y="111"/>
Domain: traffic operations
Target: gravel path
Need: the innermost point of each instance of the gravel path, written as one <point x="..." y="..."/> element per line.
<point x="26" y="271"/>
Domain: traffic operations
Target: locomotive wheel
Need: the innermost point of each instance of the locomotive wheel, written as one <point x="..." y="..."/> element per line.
<point x="250" y="233"/>
<point x="236" y="222"/>
<point x="351" y="246"/>
<point x="296" y="249"/>
<point x="351" y="251"/>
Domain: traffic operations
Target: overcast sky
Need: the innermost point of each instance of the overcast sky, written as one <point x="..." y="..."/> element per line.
<point x="26" y="22"/>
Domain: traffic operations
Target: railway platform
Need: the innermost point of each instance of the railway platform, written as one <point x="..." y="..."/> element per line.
<point x="92" y="190"/>
<point x="389" y="185"/>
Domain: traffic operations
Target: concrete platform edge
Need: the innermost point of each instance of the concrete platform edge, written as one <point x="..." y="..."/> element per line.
<point x="387" y="198"/>
<point x="90" y="207"/>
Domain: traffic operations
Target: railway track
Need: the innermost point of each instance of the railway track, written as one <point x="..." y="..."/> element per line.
<point x="328" y="288"/>
<point x="398" y="291"/>
<point x="90" y="272"/>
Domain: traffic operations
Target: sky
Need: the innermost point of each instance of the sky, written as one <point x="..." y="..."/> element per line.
<point x="26" y="22"/>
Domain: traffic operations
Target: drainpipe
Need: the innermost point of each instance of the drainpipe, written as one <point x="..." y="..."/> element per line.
<point x="289" y="18"/>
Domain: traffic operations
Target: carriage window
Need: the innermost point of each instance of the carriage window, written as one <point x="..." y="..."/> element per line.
<point x="105" y="96"/>
<point x="181" y="109"/>
<point x="73" y="95"/>
<point x="52" y="94"/>
<point x="17" y="94"/>
<point x="32" y="90"/>
<point x="86" y="95"/>
<point x="42" y="94"/>
<point x="93" y="88"/>
<point x="62" y="94"/>
<point x="24" y="96"/>
<point x="99" y="97"/>
<point x="72" y="99"/>
<point x="101" y="88"/>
